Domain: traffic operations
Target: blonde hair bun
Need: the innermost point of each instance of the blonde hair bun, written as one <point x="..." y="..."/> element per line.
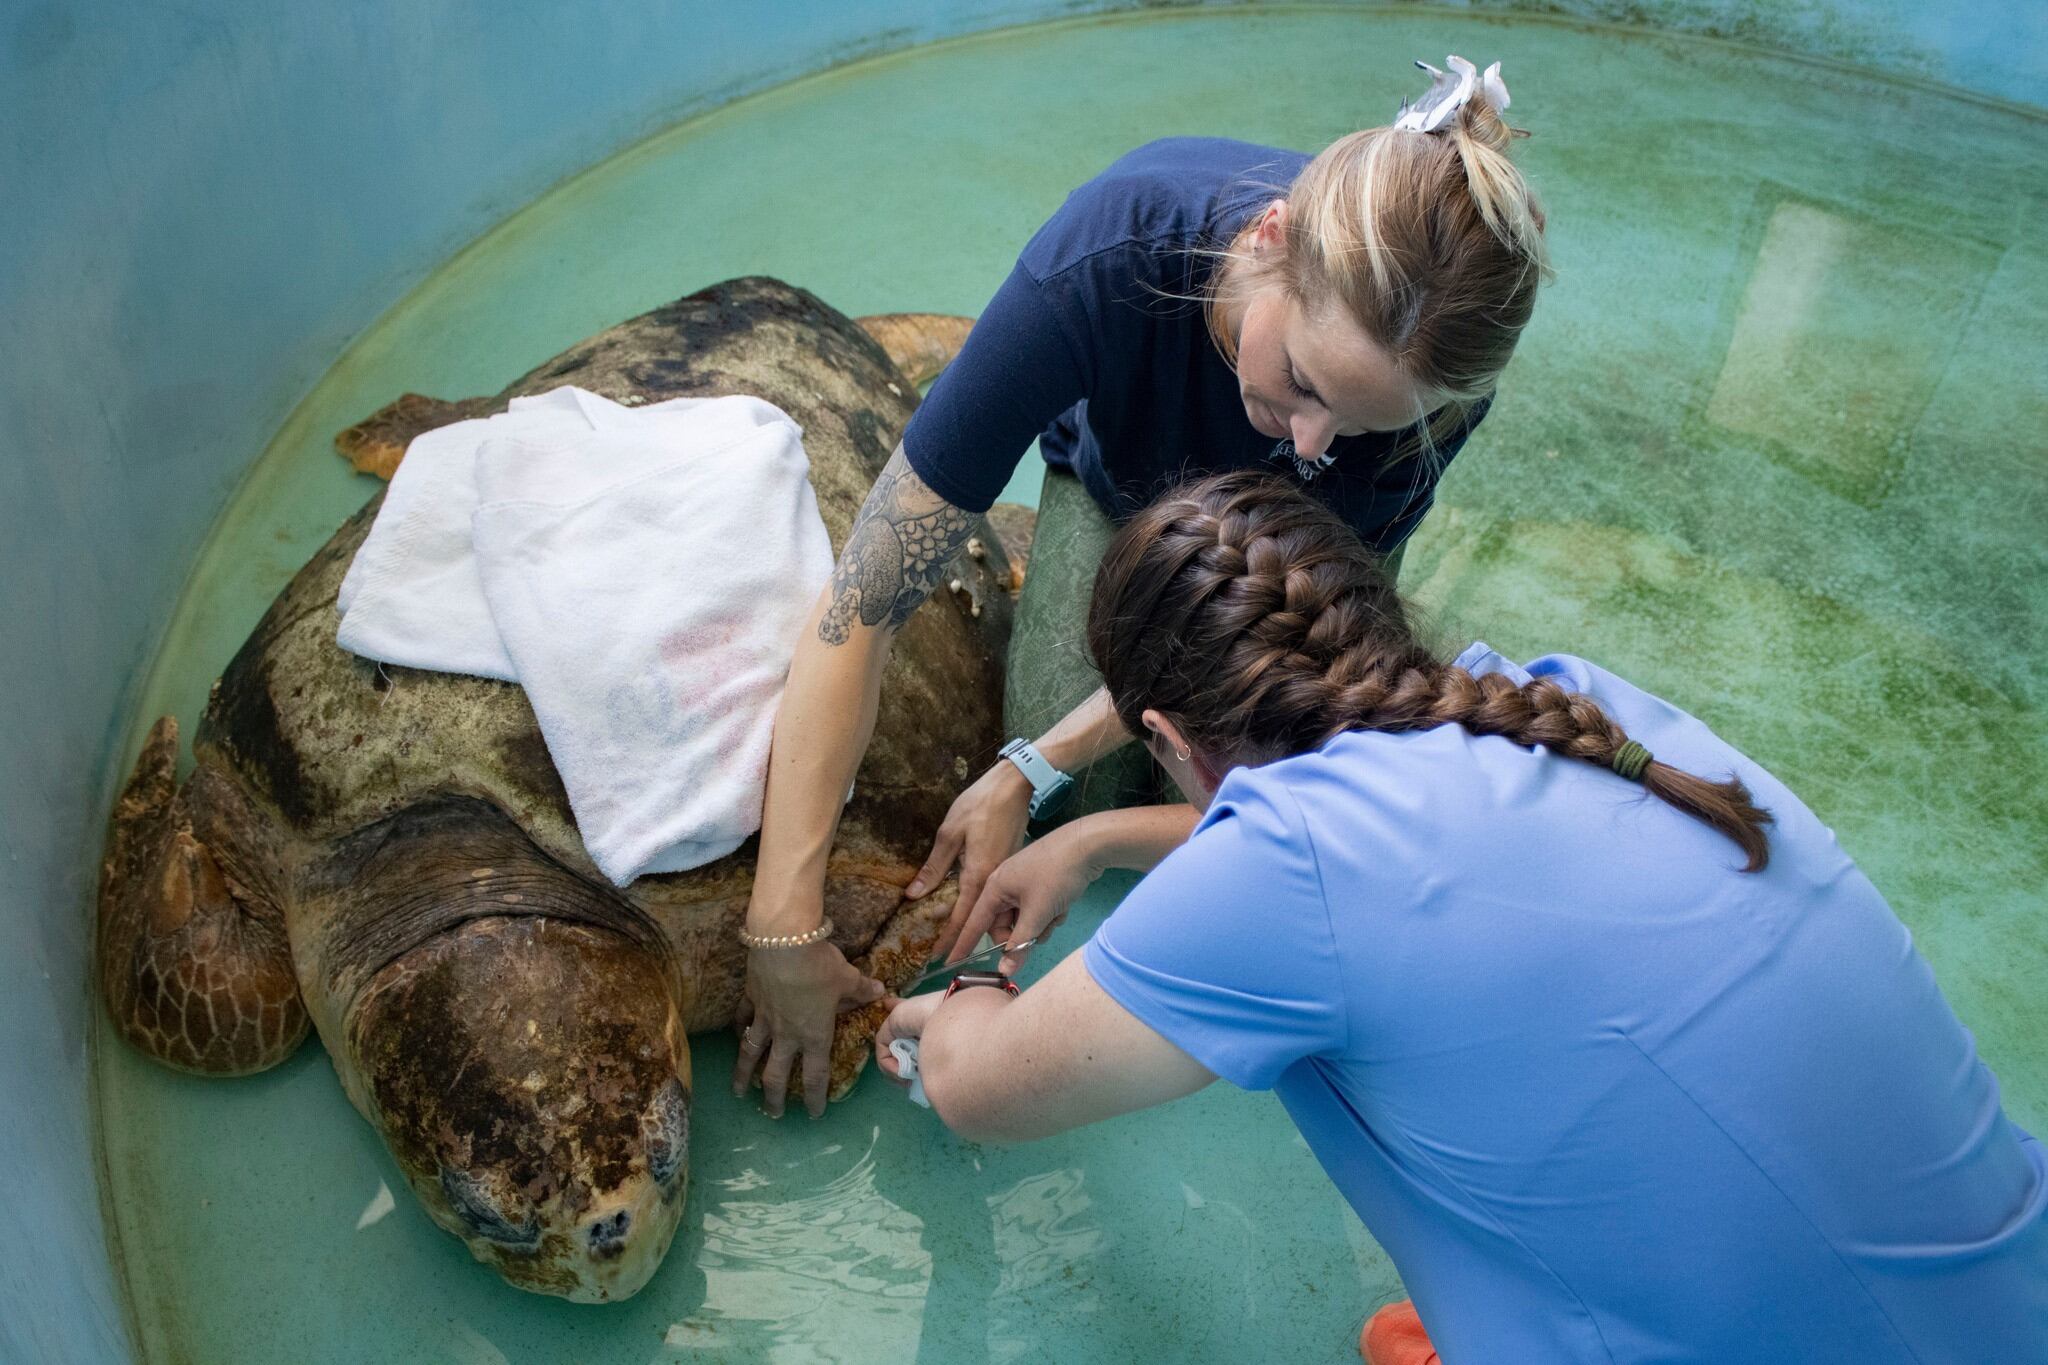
<point x="1424" y="233"/>
<point x="1479" y="122"/>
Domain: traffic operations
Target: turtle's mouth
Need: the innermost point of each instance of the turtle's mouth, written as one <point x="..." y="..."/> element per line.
<point x="532" y="1079"/>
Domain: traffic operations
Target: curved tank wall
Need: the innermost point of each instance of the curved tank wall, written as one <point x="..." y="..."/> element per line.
<point x="201" y="205"/>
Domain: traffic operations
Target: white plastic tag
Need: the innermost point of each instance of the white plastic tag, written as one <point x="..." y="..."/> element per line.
<point x="904" y="1050"/>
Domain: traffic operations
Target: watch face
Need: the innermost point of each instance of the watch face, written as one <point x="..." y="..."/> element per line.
<point x="997" y="979"/>
<point x="1042" y="797"/>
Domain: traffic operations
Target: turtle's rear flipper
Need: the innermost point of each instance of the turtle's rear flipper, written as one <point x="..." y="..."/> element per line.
<point x="1015" y="526"/>
<point x="919" y="344"/>
<point x="376" y="444"/>
<point x="193" y="962"/>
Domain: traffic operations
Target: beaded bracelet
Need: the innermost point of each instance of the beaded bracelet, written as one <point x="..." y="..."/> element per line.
<point x="803" y="940"/>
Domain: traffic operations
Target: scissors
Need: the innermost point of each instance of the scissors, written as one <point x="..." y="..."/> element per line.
<point x="995" y="950"/>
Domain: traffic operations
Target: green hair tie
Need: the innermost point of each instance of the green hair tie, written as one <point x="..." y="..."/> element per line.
<point x="1630" y="760"/>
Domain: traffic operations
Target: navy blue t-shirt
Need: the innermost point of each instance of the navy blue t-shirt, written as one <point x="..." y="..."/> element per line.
<point x="1094" y="345"/>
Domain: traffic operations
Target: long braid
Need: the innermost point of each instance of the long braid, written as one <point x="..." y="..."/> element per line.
<point x="1257" y="621"/>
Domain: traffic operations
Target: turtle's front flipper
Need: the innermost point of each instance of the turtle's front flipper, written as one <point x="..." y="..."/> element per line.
<point x="896" y="958"/>
<point x="193" y="962"/>
<point x="919" y="344"/>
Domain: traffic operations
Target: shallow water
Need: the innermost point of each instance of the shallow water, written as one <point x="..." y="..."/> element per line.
<point x="1772" y="448"/>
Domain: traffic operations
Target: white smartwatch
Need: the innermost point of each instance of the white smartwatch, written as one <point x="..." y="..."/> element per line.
<point x="1046" y="781"/>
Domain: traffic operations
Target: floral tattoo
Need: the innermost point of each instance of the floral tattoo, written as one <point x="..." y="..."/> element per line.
<point x="902" y="541"/>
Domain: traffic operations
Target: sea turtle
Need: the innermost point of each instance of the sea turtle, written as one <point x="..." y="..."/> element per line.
<point x="389" y="854"/>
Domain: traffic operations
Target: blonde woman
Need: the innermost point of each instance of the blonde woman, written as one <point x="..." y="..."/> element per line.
<point x="1203" y="305"/>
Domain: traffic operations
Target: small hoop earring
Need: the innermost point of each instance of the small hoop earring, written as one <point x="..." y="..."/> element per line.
<point x="1183" y="754"/>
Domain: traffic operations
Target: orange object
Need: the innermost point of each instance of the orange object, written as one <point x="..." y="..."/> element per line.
<point x="1394" y="1336"/>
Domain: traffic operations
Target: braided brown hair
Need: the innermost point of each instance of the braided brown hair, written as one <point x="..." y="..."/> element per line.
<point x="1255" y="620"/>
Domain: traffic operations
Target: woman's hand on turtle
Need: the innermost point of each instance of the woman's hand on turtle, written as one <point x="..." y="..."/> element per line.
<point x="793" y="997"/>
<point x="984" y="826"/>
<point x="1029" y="895"/>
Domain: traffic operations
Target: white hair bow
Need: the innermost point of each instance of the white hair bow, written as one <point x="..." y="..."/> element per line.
<point x="1447" y="93"/>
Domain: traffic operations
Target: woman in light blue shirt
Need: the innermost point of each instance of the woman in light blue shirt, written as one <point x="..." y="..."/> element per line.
<point x="1604" y="1037"/>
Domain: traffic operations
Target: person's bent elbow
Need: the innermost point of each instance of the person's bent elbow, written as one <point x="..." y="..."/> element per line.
<point x="962" y="1093"/>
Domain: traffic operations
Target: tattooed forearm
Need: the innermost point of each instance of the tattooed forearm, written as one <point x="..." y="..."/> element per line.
<point x="902" y="541"/>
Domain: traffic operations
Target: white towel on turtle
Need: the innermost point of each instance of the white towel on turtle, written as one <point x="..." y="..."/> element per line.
<point x="644" y="573"/>
<point x="412" y="595"/>
<point x="649" y="580"/>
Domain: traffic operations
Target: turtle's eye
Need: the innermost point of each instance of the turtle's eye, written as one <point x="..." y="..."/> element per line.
<point x="475" y="1207"/>
<point x="667" y="1125"/>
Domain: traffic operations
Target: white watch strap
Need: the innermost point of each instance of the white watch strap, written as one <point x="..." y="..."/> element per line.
<point x="1046" y="781"/>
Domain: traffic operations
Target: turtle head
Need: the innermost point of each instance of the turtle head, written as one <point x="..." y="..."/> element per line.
<point x="532" y="1078"/>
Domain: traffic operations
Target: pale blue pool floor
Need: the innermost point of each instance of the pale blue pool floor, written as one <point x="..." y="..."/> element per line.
<point x="1773" y="448"/>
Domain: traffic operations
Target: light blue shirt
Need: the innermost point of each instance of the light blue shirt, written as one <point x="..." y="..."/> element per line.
<point x="1601" y="1095"/>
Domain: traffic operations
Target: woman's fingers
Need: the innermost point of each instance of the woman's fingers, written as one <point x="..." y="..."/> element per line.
<point x="974" y="876"/>
<point x="945" y="848"/>
<point x="984" y="826"/>
<point x="860" y="990"/>
<point x="817" y="1077"/>
<point x="956" y="940"/>
<point x="1013" y="962"/>
<point x="1033" y="926"/>
<point x="796" y="994"/>
<point x="753" y="1047"/>
<point x="885" y="1060"/>
<point x="777" y="1060"/>
<point x="775" y="1076"/>
<point x="978" y="917"/>
<point x="952" y="940"/>
<point x="1009" y="920"/>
